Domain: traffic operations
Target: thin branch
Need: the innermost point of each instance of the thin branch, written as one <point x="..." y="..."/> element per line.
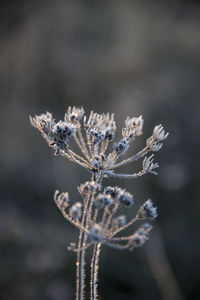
<point x="95" y="215"/>
<point x="82" y="149"/>
<point x="83" y="144"/>
<point x="121" y="175"/>
<point x="89" y="143"/>
<point x="121" y="238"/>
<point x="73" y="159"/>
<point x="67" y="217"/>
<point x="79" y="158"/>
<point x="82" y="248"/>
<point x="111" y="214"/>
<point x="117" y="246"/>
<point x="125" y="226"/>
<point x="130" y="159"/>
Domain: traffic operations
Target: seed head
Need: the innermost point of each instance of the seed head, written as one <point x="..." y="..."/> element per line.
<point x="147" y="210"/>
<point x="43" y="122"/>
<point x="133" y="127"/>
<point x="125" y="198"/>
<point x="159" y="133"/>
<point x="74" y="114"/>
<point x="89" y="186"/>
<point x="62" y="199"/>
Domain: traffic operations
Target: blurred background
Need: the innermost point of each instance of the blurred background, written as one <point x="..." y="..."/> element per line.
<point x="127" y="57"/>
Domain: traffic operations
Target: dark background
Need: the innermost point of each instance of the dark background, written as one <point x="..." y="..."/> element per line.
<point x="127" y="57"/>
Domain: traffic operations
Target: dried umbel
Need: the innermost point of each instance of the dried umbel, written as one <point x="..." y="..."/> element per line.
<point x="96" y="217"/>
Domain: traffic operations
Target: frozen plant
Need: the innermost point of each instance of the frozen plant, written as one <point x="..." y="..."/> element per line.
<point x="96" y="217"/>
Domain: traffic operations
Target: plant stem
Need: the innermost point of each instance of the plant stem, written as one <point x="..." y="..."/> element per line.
<point x="80" y="262"/>
<point x="94" y="271"/>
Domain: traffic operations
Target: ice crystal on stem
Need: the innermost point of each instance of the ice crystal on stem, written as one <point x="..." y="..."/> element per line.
<point x="96" y="216"/>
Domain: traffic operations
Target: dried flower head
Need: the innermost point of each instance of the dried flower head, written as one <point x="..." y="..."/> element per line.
<point x="95" y="217"/>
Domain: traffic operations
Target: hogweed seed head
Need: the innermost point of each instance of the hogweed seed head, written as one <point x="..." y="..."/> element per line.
<point x="92" y="136"/>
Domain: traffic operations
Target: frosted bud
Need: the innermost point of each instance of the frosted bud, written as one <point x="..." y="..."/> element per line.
<point x="96" y="135"/>
<point x="109" y="134"/>
<point x="125" y="198"/>
<point x="75" y="211"/>
<point x="102" y="200"/>
<point x="159" y="133"/>
<point x="137" y="241"/>
<point x="147" y="210"/>
<point x="95" y="233"/>
<point x="96" y="162"/>
<point x="144" y="229"/>
<point x="89" y="186"/>
<point x="135" y="125"/>
<point x="128" y="134"/>
<point x="121" y="147"/>
<point x="119" y="221"/>
<point x="154" y="142"/>
<point x="63" y="130"/>
<point x="140" y="236"/>
<point x="114" y="192"/>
